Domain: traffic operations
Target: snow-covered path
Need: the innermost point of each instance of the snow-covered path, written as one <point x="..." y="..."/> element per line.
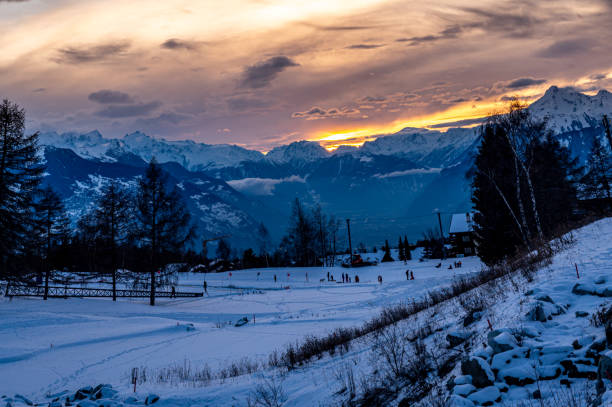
<point x="58" y="344"/>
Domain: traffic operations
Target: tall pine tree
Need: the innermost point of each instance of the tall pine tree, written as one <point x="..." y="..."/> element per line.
<point x="164" y="224"/>
<point x="597" y="181"/>
<point x="20" y="176"/>
<point x="407" y="253"/>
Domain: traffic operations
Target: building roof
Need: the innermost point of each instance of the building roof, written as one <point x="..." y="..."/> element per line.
<point x="462" y="223"/>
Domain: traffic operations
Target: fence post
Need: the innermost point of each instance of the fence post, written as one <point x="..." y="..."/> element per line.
<point x="134" y="377"/>
<point x="577" y="274"/>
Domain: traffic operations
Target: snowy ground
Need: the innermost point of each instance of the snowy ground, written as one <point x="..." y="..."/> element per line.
<point x="62" y="344"/>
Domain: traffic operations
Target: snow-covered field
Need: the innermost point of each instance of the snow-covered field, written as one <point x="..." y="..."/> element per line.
<point x="66" y="344"/>
<point x="60" y="344"/>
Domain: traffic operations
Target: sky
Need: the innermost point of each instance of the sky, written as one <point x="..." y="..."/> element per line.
<point x="261" y="73"/>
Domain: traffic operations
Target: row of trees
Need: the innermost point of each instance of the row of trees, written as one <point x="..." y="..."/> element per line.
<point x="146" y="229"/>
<point x="525" y="185"/>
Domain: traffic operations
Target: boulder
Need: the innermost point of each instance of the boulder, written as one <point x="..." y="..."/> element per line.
<point x="591" y="289"/>
<point x="465" y="379"/>
<point x="548" y="372"/>
<point x="609" y="334"/>
<point x="479" y="369"/>
<point x="501" y="341"/>
<point x="457" y="338"/>
<point x="87" y="403"/>
<point x="486" y="397"/>
<point x="504" y="359"/>
<point x="519" y="373"/>
<point x="104" y="392"/>
<point x="458" y="401"/>
<point x="604" y="371"/>
<point x="581" y="314"/>
<point x="23" y="399"/>
<point x="151" y="399"/>
<point x="545" y="298"/>
<point x="464" y="390"/>
<point x="576" y="370"/>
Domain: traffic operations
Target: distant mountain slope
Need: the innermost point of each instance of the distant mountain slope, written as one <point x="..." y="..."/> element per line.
<point x="389" y="185"/>
<point x="216" y="208"/>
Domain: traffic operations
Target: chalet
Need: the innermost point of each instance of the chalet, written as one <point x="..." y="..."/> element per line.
<point x="462" y="235"/>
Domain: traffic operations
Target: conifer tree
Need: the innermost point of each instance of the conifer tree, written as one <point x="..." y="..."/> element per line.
<point x="387" y="256"/>
<point x="407" y="254"/>
<point x="597" y="181"/>
<point x="164" y="223"/>
<point x="20" y="176"/>
<point x="113" y="219"/>
<point x="51" y="225"/>
<point x="400" y="250"/>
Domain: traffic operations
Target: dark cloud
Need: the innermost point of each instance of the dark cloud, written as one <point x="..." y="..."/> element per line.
<point x="524" y="82"/>
<point x="598" y="76"/>
<point x="262" y="73"/>
<point x="164" y="119"/>
<point x="510" y="23"/>
<point x="563" y="48"/>
<point x="178" y="44"/>
<point x="106" y="96"/>
<point x="119" y="111"/>
<point x="84" y="54"/>
<point x="364" y="46"/>
<point x="339" y="27"/>
<point x="241" y="104"/>
<point x="315" y="113"/>
<point x="373" y="99"/>
<point x="38" y="90"/>
<point x="450" y="32"/>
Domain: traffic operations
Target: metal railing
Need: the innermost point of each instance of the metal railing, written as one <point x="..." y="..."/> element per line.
<point x="65" y="292"/>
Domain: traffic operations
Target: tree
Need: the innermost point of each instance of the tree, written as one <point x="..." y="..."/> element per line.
<point x="20" y="176"/>
<point x="223" y="250"/>
<point x="113" y="219"/>
<point x="498" y="230"/>
<point x="164" y="224"/>
<point x="407" y="254"/>
<point x="400" y="250"/>
<point x="263" y="239"/>
<point x="51" y="225"/>
<point x="302" y="235"/>
<point x="597" y="181"/>
<point x="387" y="256"/>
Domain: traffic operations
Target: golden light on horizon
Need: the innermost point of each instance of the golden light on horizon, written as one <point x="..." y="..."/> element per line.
<point x="332" y="139"/>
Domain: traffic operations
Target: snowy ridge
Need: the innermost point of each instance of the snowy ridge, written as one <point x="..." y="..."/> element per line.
<point x="297" y="152"/>
<point x="191" y="155"/>
<point x="566" y="109"/>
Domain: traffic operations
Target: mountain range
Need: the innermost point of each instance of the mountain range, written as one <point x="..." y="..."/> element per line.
<point x="388" y="186"/>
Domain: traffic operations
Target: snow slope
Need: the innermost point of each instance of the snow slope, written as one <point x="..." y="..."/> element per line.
<point x="62" y="344"/>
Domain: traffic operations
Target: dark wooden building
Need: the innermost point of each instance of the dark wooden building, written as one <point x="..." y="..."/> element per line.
<point x="462" y="235"/>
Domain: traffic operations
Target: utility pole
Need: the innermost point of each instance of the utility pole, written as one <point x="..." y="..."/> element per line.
<point x="606" y="125"/>
<point x="348" y="226"/>
<point x="441" y="236"/>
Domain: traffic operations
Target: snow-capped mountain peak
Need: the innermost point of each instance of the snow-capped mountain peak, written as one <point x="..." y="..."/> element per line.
<point x="567" y="109"/>
<point x="297" y="152"/>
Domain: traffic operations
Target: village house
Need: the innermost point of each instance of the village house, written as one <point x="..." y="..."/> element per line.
<point x="462" y="235"/>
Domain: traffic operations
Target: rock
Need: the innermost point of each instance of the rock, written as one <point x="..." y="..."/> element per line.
<point x="503" y="360"/>
<point x="501" y="341"/>
<point x="604" y="371"/>
<point x="87" y="403"/>
<point x="131" y="400"/>
<point x="55" y="404"/>
<point x="590" y="289"/>
<point x="503" y="387"/>
<point x="464" y="390"/>
<point x="104" y="392"/>
<point x="576" y="370"/>
<point x="486" y="397"/>
<point x="472" y="317"/>
<point x="537" y="395"/>
<point x="583" y="341"/>
<point x="481" y="373"/>
<point x="549" y="372"/>
<point x="465" y="379"/>
<point x="151" y="399"/>
<point x="24" y="399"/>
<point x="457" y="338"/>
<point x="609" y="334"/>
<point x="520" y="373"/>
<point x="581" y="314"/>
<point x="601" y="280"/>
<point x="458" y="401"/>
<point x="545" y="298"/>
